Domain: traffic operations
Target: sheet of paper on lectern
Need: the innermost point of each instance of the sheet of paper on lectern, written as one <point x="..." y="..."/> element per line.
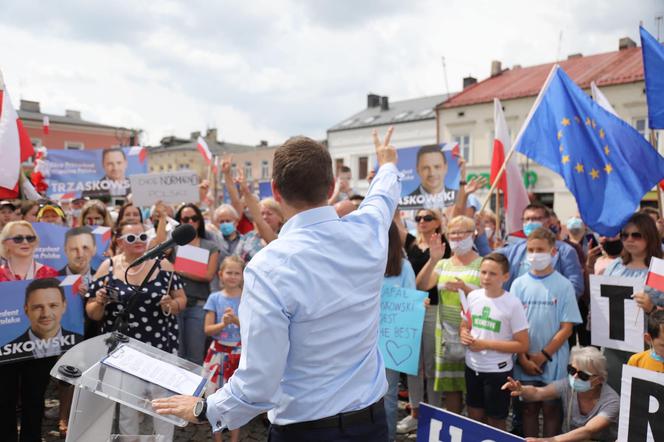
<point x="155" y="371"/>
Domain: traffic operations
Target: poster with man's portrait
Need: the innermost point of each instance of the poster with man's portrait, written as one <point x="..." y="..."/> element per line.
<point x="40" y="318"/>
<point x="71" y="249"/>
<point x="431" y="176"/>
<point x="95" y="173"/>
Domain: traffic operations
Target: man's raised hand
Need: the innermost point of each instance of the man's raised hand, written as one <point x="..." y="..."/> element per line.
<point x="385" y="152"/>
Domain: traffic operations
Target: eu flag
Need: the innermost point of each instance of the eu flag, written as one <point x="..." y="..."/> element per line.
<point x="606" y="164"/>
<point x="653" y="71"/>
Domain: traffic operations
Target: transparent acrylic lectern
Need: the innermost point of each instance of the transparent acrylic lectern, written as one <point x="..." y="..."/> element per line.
<point x="98" y="387"/>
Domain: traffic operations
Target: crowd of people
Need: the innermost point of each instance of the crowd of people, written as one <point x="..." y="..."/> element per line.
<point x="526" y="333"/>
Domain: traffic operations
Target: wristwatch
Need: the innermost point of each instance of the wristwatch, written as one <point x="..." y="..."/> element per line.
<point x="200" y="409"/>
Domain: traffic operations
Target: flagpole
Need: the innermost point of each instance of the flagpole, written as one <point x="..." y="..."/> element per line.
<point x="498" y="223"/>
<point x="653" y="141"/>
<point x="538" y="100"/>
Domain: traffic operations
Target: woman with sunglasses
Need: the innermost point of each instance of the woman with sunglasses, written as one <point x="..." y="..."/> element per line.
<point x="590" y="405"/>
<point x="640" y="241"/>
<point x="18" y="241"/>
<point x="429" y="223"/>
<point x="192" y="319"/>
<point x="152" y="318"/>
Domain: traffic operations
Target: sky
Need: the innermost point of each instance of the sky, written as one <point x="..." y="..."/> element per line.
<point x="267" y="70"/>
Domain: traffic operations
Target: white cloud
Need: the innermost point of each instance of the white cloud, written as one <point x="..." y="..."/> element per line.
<point x="271" y="69"/>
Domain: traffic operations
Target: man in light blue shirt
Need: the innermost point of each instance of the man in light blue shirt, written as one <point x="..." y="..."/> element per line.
<point x="310" y="310"/>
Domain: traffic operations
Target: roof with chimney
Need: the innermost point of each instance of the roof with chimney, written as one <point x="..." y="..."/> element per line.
<point x="31" y="111"/>
<point x="173" y="144"/>
<point x="611" y="68"/>
<point x="381" y="111"/>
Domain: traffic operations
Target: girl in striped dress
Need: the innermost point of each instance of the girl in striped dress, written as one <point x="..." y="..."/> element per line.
<point x="459" y="273"/>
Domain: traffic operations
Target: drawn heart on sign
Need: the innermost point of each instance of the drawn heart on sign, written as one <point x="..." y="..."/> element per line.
<point x="398" y="353"/>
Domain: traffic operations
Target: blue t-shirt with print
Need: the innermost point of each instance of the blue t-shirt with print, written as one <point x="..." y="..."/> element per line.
<point x="548" y="300"/>
<point x="218" y="302"/>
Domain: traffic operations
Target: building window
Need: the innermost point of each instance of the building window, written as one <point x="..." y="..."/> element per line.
<point x="363" y="167"/>
<point x="233" y="170"/>
<point x="161" y="168"/>
<point x="338" y="164"/>
<point x="464" y="145"/>
<point x="73" y="145"/>
<point x="641" y="126"/>
<point x="265" y="170"/>
<point x="247" y="171"/>
<point x="184" y="166"/>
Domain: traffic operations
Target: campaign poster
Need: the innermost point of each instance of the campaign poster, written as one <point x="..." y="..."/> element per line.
<point x="95" y="173"/>
<point x="52" y="250"/>
<point x="438" y="425"/>
<point x="431" y="176"/>
<point x="40" y="318"/>
<point x="641" y="405"/>
<point x="400" y="329"/>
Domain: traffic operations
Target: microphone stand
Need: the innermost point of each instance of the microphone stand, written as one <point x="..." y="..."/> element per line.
<point x="122" y="325"/>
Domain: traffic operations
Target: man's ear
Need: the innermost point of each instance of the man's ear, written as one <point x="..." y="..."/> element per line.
<point x="275" y="193"/>
<point x="330" y="190"/>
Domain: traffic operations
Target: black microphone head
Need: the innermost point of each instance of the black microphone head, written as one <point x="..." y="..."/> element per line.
<point x="183" y="234"/>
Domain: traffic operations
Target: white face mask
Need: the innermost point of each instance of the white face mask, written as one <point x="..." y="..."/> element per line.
<point x="463" y="246"/>
<point x="539" y="261"/>
<point x="488" y="231"/>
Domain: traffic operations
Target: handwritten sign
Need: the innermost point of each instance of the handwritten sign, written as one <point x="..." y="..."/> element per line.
<point x="617" y="321"/>
<point x="437" y="425"/>
<point x="170" y="187"/>
<point x="401" y="320"/>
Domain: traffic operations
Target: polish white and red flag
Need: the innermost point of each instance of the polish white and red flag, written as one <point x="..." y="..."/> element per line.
<point x="15" y="144"/>
<point x="139" y="151"/>
<point x="515" y="196"/>
<point x="45" y="123"/>
<point x="205" y="151"/>
<point x="655" y="277"/>
<point x="192" y="259"/>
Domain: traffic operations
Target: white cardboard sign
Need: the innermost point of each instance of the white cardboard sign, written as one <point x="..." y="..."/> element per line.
<point x="616" y="320"/>
<point x="170" y="187"/>
<point x="641" y="405"/>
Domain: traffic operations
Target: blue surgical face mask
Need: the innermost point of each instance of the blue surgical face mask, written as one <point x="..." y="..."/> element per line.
<point x="227" y="229"/>
<point x="656" y="357"/>
<point x="578" y="385"/>
<point x="531" y="227"/>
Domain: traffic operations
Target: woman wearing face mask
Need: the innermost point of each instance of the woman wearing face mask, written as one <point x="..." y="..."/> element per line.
<point x="601" y="256"/>
<point x="640" y="243"/>
<point x="458" y="273"/>
<point x="590" y="405"/>
<point x="429" y="227"/>
<point x="197" y="288"/>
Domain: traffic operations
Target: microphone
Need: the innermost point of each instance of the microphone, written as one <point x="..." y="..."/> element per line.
<point x="182" y="235"/>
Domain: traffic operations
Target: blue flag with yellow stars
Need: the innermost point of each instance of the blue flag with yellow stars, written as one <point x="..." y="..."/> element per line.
<point x="606" y="164"/>
<point x="653" y="71"/>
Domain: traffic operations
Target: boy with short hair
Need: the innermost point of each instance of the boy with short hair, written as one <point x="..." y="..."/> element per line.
<point x="652" y="359"/>
<point x="552" y="311"/>
<point x="497" y="329"/>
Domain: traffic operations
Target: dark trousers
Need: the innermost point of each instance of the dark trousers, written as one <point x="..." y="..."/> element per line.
<point x="30" y="378"/>
<point x="370" y="431"/>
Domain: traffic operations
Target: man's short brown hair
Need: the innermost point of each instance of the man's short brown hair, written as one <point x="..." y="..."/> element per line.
<point x="302" y="171"/>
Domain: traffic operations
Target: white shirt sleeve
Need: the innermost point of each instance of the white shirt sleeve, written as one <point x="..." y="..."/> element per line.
<point x="254" y="386"/>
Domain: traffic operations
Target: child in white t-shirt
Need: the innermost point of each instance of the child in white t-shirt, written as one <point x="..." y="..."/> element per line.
<point x="494" y="329"/>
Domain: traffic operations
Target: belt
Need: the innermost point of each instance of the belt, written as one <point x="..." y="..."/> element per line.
<point x="341" y="420"/>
